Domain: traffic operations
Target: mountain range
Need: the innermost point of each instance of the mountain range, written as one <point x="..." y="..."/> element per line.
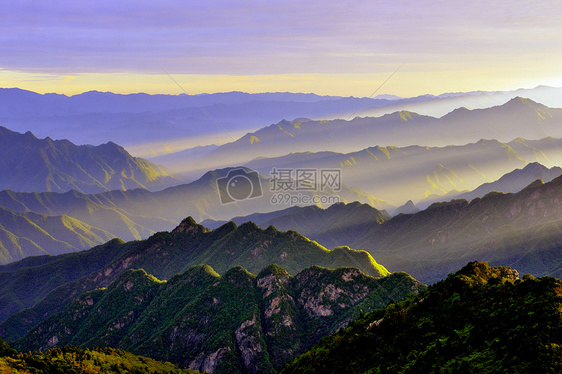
<point x="332" y="227"/>
<point x="97" y="257"/>
<point x="399" y="174"/>
<point x="132" y="214"/>
<point x="479" y="320"/>
<point x="150" y="125"/>
<point x="520" y="229"/>
<point x="156" y="124"/>
<point x="163" y="255"/>
<point x="520" y="116"/>
<point x="175" y="310"/>
<point x="513" y="182"/>
<point x="234" y="323"/>
<point x="84" y="220"/>
<point x="29" y="164"/>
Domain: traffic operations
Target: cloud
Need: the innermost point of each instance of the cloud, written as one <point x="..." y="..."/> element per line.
<point x="254" y="38"/>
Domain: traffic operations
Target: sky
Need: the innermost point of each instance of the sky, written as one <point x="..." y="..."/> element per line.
<point x="331" y="47"/>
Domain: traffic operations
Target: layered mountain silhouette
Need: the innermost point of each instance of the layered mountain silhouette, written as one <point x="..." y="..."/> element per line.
<point x="251" y="293"/>
<point x="30" y="164"/>
<point x="399" y="174"/>
<point x="480" y="319"/>
<point x="162" y="255"/>
<point x="334" y="226"/>
<point x="520" y="116"/>
<point x="514" y="181"/>
<point x="138" y="213"/>
<point x="234" y="323"/>
<point x="158" y="121"/>
<point x="32" y="234"/>
<point x="519" y="229"/>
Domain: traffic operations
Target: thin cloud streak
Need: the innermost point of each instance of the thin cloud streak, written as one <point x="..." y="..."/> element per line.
<point x="244" y="38"/>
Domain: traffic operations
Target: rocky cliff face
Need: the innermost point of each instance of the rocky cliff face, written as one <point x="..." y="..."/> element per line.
<point x="481" y="319"/>
<point x="234" y="323"/>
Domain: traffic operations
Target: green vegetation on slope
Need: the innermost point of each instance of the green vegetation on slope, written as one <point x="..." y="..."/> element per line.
<point x="25" y="283"/>
<point x="479" y="320"/>
<point x="37" y="165"/>
<point x="234" y="323"/>
<point x="74" y="360"/>
<point x="44" y="234"/>
<point x="162" y="255"/>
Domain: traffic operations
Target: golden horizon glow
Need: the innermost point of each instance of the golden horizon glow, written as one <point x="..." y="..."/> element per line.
<point x="403" y="83"/>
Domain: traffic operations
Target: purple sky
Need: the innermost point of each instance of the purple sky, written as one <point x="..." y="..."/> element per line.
<point x="325" y="43"/>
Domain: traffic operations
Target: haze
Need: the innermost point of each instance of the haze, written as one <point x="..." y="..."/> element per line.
<point x="327" y="47"/>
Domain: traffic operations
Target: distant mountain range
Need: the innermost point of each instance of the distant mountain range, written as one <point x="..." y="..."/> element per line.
<point x="132" y="214"/>
<point x="32" y="234"/>
<point x="149" y="125"/>
<point x="520" y="229"/>
<point x="518" y="117"/>
<point x="160" y="121"/>
<point x="50" y="223"/>
<point x="479" y="320"/>
<point x="414" y="173"/>
<point x="29" y="164"/>
<point x="334" y="226"/>
<point x="510" y="182"/>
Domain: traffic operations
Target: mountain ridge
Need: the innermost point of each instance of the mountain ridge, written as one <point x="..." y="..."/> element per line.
<point x="163" y="255"/>
<point x="237" y="322"/>
<point x="521" y="229"/>
<point x="399" y="174"/>
<point x="43" y="165"/>
<point x="513" y="181"/>
<point x="131" y="120"/>
<point x="402" y="128"/>
<point x="29" y="233"/>
<point x="138" y="213"/>
<point x="480" y="319"/>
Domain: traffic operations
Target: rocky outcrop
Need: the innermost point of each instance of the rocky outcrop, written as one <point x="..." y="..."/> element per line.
<point x="234" y="323"/>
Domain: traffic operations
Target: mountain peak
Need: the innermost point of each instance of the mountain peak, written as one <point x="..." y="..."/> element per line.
<point x="30" y="164"/>
<point x="522" y="101"/>
<point x="534" y="166"/>
<point x="189" y="226"/>
<point x="274" y="269"/>
<point x="534" y="185"/>
<point x="249" y="227"/>
<point x="481" y="272"/>
<point x="408" y="208"/>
